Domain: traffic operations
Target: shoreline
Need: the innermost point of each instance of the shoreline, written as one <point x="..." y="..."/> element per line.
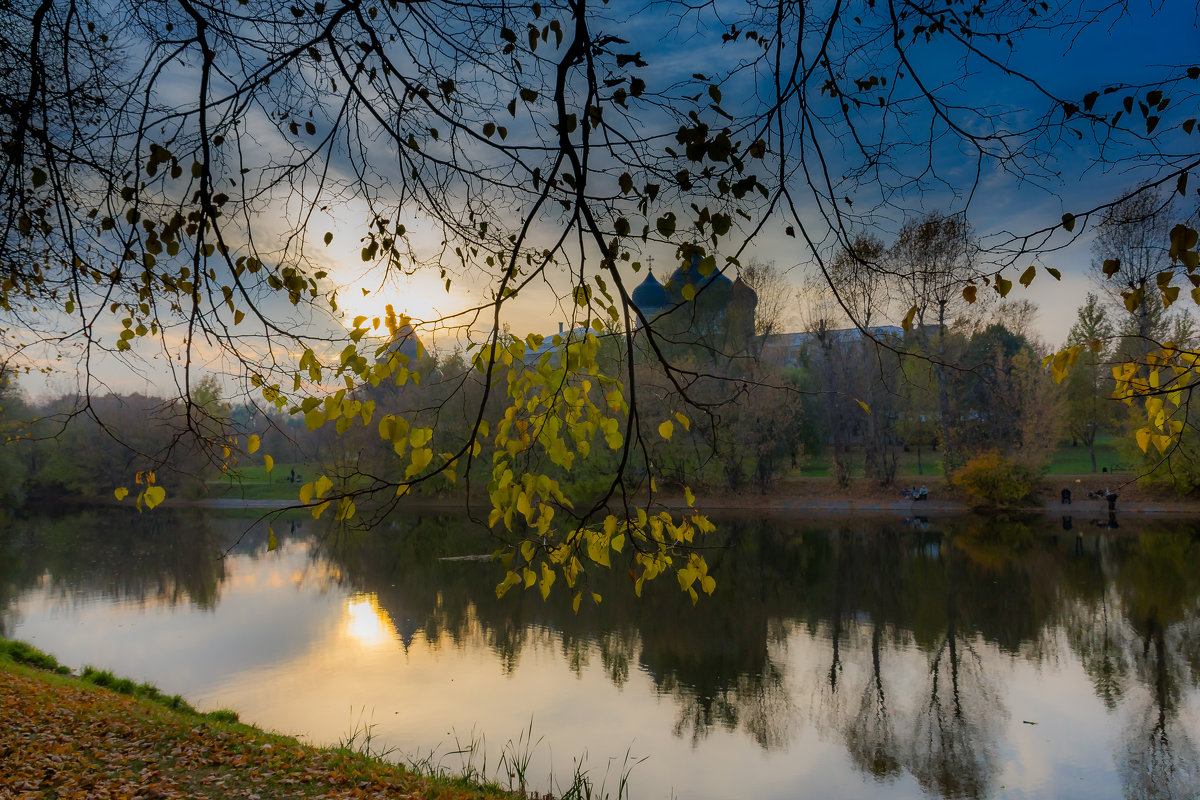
<point x="822" y="496"/>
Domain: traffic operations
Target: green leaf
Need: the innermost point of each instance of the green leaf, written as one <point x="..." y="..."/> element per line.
<point x="38" y="177"/>
<point x="1068" y="222"/>
<point x="1027" y="276"/>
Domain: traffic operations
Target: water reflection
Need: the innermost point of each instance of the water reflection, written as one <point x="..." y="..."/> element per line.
<point x="919" y="651"/>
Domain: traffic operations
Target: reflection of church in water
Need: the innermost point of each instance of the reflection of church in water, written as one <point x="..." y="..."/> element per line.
<point x="693" y="307"/>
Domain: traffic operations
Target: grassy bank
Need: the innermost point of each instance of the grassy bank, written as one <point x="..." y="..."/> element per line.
<point x="96" y="735"/>
<point x="253" y="482"/>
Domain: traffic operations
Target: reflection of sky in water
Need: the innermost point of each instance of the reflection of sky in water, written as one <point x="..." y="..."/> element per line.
<point x="293" y="650"/>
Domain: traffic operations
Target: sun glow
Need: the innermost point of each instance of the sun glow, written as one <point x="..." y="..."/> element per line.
<point x="366" y="622"/>
<point x="421" y="297"/>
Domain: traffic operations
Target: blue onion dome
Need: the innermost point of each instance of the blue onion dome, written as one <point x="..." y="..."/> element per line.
<point x="715" y="285"/>
<point x="743" y="294"/>
<point x="650" y="297"/>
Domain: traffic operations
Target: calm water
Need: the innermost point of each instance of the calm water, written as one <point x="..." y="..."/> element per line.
<point x="839" y="659"/>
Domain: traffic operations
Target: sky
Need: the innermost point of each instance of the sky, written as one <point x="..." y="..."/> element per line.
<point x="1153" y="40"/>
<point x="1150" y="42"/>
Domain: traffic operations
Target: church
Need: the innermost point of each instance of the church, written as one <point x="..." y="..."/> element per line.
<point x="719" y="313"/>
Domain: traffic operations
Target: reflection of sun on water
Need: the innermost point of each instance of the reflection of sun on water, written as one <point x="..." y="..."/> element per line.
<point x="366" y="622"/>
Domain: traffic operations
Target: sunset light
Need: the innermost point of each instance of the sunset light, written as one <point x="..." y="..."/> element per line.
<point x="366" y="622"/>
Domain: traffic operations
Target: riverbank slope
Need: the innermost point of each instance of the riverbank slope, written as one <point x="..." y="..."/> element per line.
<point x="63" y="737"/>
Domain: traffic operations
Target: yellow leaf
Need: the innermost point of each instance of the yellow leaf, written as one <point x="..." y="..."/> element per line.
<point x="1143" y="438"/>
<point x="421" y="458"/>
<point x="666" y="429"/>
<point x="1027" y="276"/>
<point x="863" y="405"/>
<point x="523" y="506"/>
<point x="306" y="494"/>
<point x="269" y="463"/>
<point x="322" y="486"/>
<point x="252" y="443"/>
<point x="688" y="496"/>
<point x="688" y="291"/>
<point x="120" y="493"/>
<point x="272" y="542"/>
<point x="684" y="421"/>
<point x="908" y="319"/>
<point x="314" y="419"/>
<point x="155" y="495"/>
<point x="575" y="602"/>
<point x="618" y="542"/>
<point x="547" y="581"/>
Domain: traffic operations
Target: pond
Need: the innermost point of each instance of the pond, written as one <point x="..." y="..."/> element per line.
<point x="839" y="658"/>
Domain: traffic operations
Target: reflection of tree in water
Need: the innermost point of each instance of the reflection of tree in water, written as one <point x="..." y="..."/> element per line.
<point x="954" y="736"/>
<point x="1160" y="584"/>
<point x="1159" y="760"/>
<point x="868" y="595"/>
<point x="168" y="557"/>
<point x="1094" y="622"/>
<point x="870" y="733"/>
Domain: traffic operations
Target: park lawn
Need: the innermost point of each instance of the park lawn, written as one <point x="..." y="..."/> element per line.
<point x="1066" y="460"/>
<point x="64" y="737"/>
<point x="253" y="482"/>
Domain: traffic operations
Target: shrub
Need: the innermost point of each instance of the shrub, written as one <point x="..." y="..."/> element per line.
<point x="996" y="479"/>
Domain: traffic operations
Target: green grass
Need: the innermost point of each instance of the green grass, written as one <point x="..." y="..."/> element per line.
<point x="1066" y="460"/>
<point x="1075" y="460"/>
<point x="906" y="465"/>
<point x="253" y="482"/>
<point x="23" y="653"/>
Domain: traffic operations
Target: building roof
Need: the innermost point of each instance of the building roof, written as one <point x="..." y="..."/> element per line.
<point x="650" y="297"/>
<point x="712" y="284"/>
